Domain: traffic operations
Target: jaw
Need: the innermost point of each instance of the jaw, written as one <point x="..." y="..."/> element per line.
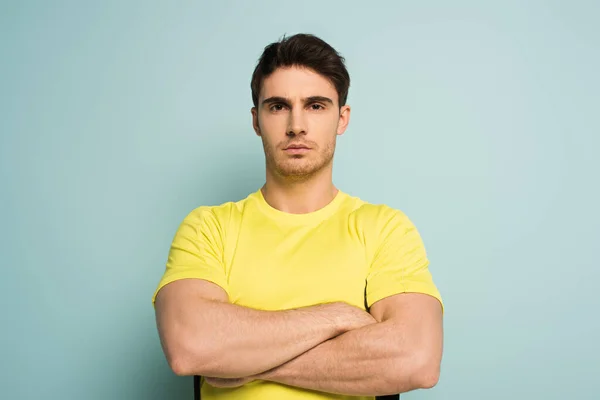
<point x="296" y="169"/>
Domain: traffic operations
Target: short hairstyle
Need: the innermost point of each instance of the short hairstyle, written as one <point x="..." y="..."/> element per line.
<point x="302" y="50"/>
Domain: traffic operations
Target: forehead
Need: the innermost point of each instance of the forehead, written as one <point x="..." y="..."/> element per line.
<point x="295" y="82"/>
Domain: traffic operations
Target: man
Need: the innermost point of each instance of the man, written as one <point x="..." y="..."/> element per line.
<point x="300" y="290"/>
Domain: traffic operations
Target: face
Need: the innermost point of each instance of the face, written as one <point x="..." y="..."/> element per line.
<point x="298" y="119"/>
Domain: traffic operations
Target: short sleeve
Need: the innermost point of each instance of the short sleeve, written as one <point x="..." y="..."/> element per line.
<point x="196" y="251"/>
<point x="400" y="263"/>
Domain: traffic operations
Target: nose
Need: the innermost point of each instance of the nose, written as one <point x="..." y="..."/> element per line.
<point x="296" y="122"/>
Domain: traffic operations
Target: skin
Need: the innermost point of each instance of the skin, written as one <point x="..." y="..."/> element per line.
<point x="401" y="352"/>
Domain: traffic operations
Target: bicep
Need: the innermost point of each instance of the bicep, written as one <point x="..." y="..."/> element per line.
<point x="406" y="305"/>
<point x="178" y="309"/>
<point x="185" y="291"/>
<point x="176" y="300"/>
<point x="417" y="317"/>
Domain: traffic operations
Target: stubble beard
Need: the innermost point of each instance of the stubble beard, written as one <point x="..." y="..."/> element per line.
<point x="298" y="168"/>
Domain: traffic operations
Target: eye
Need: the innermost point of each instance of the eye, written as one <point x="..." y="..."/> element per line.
<point x="277" y="107"/>
<point x="317" y="107"/>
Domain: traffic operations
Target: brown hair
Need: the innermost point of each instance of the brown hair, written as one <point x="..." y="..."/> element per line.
<point x="302" y="50"/>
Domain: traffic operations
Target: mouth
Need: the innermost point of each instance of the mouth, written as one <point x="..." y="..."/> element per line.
<point x="296" y="149"/>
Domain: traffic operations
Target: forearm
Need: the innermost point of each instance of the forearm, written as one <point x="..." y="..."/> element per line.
<point x="230" y="341"/>
<point x="360" y="363"/>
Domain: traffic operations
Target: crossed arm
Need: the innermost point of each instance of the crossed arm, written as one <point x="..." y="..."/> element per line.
<point x="400" y="352"/>
<point x="329" y="348"/>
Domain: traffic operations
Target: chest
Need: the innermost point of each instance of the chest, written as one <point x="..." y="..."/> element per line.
<point x="274" y="268"/>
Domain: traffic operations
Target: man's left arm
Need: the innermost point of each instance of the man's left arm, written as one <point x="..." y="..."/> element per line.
<point x="401" y="352"/>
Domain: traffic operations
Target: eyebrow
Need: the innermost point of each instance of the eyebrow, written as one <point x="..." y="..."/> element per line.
<point x="287" y="102"/>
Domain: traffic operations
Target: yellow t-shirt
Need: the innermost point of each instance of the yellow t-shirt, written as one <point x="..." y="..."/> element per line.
<point x="266" y="259"/>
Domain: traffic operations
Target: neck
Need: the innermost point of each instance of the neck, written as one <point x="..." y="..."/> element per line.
<point x="299" y="196"/>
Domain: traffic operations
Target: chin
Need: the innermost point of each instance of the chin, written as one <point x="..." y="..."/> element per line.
<point x="298" y="171"/>
<point x="298" y="167"/>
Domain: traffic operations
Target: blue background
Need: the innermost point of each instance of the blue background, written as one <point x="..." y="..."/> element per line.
<point x="480" y="120"/>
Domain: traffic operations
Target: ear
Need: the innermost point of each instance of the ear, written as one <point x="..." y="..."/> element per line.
<point x="255" y="123"/>
<point x="344" y="120"/>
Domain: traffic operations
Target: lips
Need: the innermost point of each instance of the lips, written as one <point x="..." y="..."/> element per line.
<point x="296" y="146"/>
<point x="296" y="149"/>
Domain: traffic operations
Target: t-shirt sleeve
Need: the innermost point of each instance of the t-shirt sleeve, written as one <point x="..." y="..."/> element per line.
<point x="196" y="251"/>
<point x="399" y="263"/>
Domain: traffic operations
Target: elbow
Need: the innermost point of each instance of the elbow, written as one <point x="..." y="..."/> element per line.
<point x="427" y="379"/>
<point x="180" y="366"/>
<point x="426" y="373"/>
<point x="422" y="373"/>
<point x="189" y="365"/>
<point x="187" y="360"/>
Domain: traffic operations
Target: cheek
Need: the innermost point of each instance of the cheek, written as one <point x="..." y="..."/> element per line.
<point x="273" y="120"/>
<point x="333" y="120"/>
<point x="324" y="125"/>
<point x="273" y="128"/>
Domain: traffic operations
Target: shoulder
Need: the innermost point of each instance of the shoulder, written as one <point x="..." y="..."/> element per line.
<point x="220" y="214"/>
<point x="379" y="224"/>
<point x="213" y="219"/>
<point x="377" y="215"/>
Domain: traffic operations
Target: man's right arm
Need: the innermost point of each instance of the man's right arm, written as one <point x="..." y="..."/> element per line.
<point x="203" y="334"/>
